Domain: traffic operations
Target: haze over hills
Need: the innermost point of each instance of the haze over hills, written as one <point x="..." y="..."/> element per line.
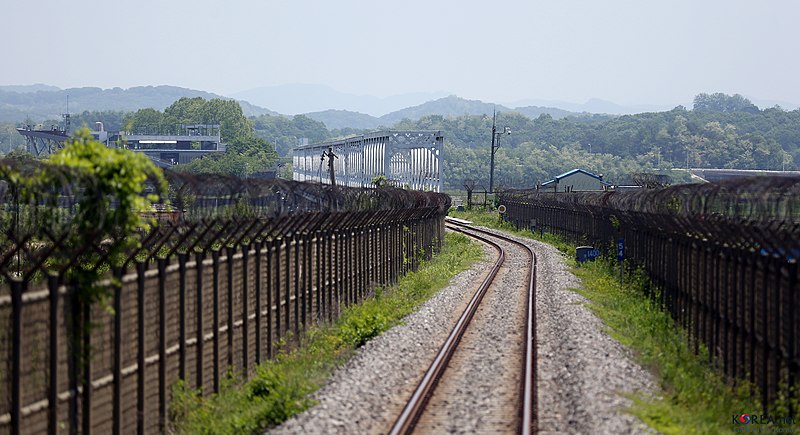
<point x="447" y="106"/>
<point x="295" y="99"/>
<point x="307" y="98"/>
<point x="596" y="105"/>
<point x="22" y="89"/>
<point x="40" y="102"/>
<point x="336" y="119"/>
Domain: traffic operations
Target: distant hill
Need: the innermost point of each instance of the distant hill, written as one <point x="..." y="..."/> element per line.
<point x="556" y="113"/>
<point x="337" y="119"/>
<point x="29" y="88"/>
<point x="594" y="105"/>
<point x="40" y="102"/>
<point x="293" y="99"/>
<point x="447" y="106"/>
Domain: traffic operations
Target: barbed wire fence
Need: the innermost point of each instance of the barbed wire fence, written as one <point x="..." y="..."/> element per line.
<point x="229" y="270"/>
<point x="722" y="258"/>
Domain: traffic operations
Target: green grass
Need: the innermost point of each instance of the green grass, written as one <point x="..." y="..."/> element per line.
<point x="280" y="387"/>
<point x="693" y="396"/>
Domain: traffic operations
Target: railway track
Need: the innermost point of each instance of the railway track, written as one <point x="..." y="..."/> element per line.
<point x="502" y="384"/>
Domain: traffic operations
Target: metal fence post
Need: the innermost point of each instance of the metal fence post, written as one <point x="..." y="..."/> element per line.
<point x="330" y="270"/>
<point x="269" y="290"/>
<point x="117" y="369"/>
<point x="259" y="246"/>
<point x="308" y="294"/>
<point x="318" y="249"/>
<point x="245" y="308"/>
<point x="162" y="344"/>
<point x="53" y="283"/>
<point x="199" y="257"/>
<point x="792" y="358"/>
<point x="182" y="315"/>
<point x="278" y="287"/>
<point x="230" y="251"/>
<point x="141" y="333"/>
<point x="86" y="406"/>
<point x="287" y="307"/>
<point x="297" y="241"/>
<point x="17" y="288"/>
<point x="215" y="316"/>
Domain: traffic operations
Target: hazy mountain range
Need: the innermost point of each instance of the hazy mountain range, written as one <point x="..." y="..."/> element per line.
<point x="40" y="102"/>
<point x="295" y="99"/>
<point x="336" y="109"/>
<point x="447" y="106"/>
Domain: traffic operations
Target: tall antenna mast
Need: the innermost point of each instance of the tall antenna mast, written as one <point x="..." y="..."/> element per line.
<point x="66" y="117"/>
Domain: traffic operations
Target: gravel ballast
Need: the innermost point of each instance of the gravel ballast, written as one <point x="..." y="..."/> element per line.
<point x="480" y="390"/>
<point x="583" y="374"/>
<point x="366" y="394"/>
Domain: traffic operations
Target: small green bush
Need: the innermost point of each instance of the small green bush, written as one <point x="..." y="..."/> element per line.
<point x="360" y="326"/>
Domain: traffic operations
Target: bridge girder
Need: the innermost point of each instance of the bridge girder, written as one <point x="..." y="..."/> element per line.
<point x="43" y="142"/>
<point x="409" y="159"/>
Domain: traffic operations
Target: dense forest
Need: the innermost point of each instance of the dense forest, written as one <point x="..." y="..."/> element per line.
<point x="720" y="131"/>
<point x="715" y="134"/>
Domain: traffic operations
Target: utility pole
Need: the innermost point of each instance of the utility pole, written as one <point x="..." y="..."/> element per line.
<point x="494" y="148"/>
<point x="495" y="145"/>
<point x="331" y="156"/>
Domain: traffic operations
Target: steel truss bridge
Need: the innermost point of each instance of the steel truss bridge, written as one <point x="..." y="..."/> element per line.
<point x="408" y="159"/>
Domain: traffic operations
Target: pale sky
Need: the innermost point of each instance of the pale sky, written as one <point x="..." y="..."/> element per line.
<point x="626" y="51"/>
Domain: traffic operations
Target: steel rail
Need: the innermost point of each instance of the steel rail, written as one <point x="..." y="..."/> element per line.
<point x="528" y="410"/>
<point x="416" y="404"/>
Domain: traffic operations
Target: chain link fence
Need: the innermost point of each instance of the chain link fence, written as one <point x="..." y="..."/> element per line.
<point x="722" y="258"/>
<point x="229" y="270"/>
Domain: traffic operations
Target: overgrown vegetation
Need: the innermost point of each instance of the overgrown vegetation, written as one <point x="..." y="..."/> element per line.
<point x="540" y="148"/>
<point x="103" y="175"/>
<point x="694" y="397"/>
<point x="280" y="388"/>
<point x="78" y="213"/>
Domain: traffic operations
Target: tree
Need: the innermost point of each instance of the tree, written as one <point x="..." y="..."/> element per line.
<point x="108" y="186"/>
<point x="150" y="120"/>
<point x="720" y="102"/>
<point x="246" y="152"/>
<point x="285" y="132"/>
<point x="10" y="139"/>
<point x="104" y="174"/>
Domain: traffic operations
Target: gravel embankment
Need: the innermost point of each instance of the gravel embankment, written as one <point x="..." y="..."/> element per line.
<point x="583" y="374"/>
<point x="480" y="391"/>
<point x="366" y="394"/>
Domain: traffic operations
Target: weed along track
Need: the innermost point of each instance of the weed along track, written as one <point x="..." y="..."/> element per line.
<point x="482" y="379"/>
